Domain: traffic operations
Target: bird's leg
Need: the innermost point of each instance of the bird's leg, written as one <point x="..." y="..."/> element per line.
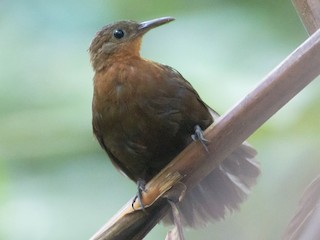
<point x="141" y="188"/>
<point x="198" y="135"/>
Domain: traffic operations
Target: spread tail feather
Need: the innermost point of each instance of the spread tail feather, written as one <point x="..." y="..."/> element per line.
<point x="221" y="191"/>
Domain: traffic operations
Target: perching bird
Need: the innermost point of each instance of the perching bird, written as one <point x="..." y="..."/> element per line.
<point x="144" y="113"/>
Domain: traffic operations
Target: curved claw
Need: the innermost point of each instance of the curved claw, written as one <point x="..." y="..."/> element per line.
<point x="141" y="188"/>
<point x="198" y="135"/>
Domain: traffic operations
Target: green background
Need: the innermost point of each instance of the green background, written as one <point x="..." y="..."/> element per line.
<point x="55" y="181"/>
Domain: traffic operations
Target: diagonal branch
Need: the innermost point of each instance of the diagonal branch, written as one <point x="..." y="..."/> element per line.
<point x="193" y="163"/>
<point x="309" y="13"/>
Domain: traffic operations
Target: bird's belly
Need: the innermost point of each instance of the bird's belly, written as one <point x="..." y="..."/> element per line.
<point x="141" y="141"/>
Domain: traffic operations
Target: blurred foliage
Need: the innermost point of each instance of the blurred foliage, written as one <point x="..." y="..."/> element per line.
<point x="55" y="182"/>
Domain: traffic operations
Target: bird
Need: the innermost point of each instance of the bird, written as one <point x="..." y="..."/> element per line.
<point x="145" y="113"/>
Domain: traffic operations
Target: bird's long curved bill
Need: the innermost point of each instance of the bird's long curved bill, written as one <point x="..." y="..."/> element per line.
<point x="147" y="25"/>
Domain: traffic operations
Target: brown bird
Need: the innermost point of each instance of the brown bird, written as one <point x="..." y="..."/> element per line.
<point x="144" y="113"/>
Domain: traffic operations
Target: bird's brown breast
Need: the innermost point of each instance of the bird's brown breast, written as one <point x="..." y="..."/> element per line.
<point x="144" y="114"/>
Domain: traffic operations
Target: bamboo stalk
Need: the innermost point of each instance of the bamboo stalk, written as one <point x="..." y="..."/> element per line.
<point x="309" y="13"/>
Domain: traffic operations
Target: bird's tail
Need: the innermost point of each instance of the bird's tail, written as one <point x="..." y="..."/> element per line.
<point x="221" y="191"/>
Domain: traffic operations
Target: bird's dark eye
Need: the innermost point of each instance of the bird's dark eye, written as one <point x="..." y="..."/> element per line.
<point x="118" y="33"/>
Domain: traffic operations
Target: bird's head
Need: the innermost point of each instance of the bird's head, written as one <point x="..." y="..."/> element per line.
<point x="120" y="39"/>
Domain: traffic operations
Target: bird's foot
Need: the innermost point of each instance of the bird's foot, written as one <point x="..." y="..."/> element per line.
<point x="198" y="135"/>
<point x="141" y="188"/>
